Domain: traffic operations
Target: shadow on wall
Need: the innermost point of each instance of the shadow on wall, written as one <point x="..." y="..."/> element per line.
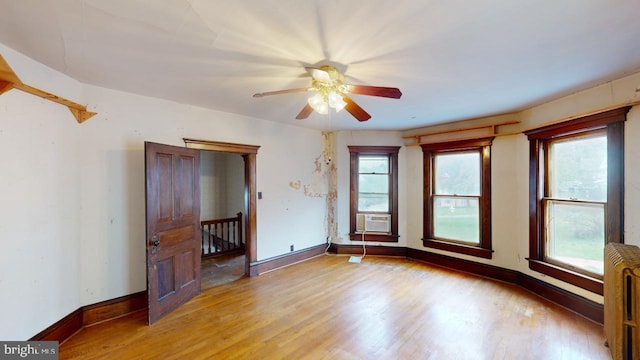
<point x="124" y="240"/>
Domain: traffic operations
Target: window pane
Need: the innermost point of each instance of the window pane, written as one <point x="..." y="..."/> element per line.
<point x="457" y="174"/>
<point x="456" y="218"/>
<point x="373" y="164"/>
<point x="576" y="234"/>
<point x="373" y="193"/>
<point x="579" y="169"/>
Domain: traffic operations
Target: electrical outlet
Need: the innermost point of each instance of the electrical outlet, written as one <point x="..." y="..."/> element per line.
<point x="328" y="239"/>
<point x="291" y="247"/>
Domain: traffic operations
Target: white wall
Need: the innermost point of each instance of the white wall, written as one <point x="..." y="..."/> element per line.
<point x="632" y="177"/>
<point x="234" y="172"/>
<point x="124" y="122"/>
<point x="212" y="185"/>
<point x="221" y="185"/>
<point x="72" y="223"/>
<point x="39" y="215"/>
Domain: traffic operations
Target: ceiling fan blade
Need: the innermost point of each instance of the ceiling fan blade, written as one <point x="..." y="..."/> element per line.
<point x="278" y="92"/>
<point x="355" y="109"/>
<point x="381" y="91"/>
<point x="305" y="112"/>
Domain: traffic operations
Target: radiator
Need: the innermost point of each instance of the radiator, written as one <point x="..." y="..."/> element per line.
<point x="621" y="303"/>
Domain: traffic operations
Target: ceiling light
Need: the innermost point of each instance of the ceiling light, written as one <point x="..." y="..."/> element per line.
<point x="327" y="97"/>
<point x="327" y="81"/>
<point x="319" y="103"/>
<point x="336" y="101"/>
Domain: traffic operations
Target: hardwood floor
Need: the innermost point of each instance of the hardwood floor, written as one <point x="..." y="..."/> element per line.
<point x="327" y="308"/>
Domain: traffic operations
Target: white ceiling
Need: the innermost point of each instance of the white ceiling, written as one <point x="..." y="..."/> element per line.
<point x="452" y="60"/>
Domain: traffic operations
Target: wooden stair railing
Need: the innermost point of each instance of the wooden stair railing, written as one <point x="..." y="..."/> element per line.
<point x="220" y="236"/>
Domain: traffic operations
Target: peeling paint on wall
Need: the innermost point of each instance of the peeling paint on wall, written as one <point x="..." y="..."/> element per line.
<point x="328" y="154"/>
<point x="324" y="182"/>
<point x="295" y="184"/>
<point x="311" y="192"/>
<point x="318" y="185"/>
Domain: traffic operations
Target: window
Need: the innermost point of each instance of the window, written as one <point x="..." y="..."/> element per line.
<point x="373" y="183"/>
<point x="374" y="191"/>
<point x="576" y="175"/>
<point x="457" y="196"/>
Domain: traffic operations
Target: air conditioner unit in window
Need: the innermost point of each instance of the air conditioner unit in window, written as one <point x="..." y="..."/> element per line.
<point x="373" y="223"/>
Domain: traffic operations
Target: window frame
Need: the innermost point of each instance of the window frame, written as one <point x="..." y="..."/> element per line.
<point x="483" y="146"/>
<point x="612" y="122"/>
<point x="392" y="153"/>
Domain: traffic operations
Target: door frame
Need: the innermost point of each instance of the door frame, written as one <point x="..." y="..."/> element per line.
<point x="249" y="154"/>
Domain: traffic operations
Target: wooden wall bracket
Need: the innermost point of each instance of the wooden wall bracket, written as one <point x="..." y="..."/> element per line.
<point x="9" y="80"/>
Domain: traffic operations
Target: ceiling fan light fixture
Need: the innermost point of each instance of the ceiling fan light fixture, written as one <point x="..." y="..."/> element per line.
<point x="336" y="101"/>
<point x="331" y="92"/>
<point x="318" y="103"/>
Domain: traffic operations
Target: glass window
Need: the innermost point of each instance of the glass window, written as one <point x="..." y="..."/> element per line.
<point x="457" y="179"/>
<point x="575" y="207"/>
<point x="575" y="235"/>
<point x="456" y="211"/>
<point x="578" y="168"/>
<point x="374" y="189"/>
<point x="456" y="218"/>
<point x="457" y="173"/>
<point x="576" y="181"/>
<point x="373" y="183"/>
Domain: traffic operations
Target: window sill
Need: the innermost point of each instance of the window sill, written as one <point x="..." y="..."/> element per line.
<point x="571" y="277"/>
<point x="371" y="236"/>
<point x="458" y="248"/>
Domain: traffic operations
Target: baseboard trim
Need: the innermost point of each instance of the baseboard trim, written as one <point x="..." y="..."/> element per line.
<point x="490" y="271"/>
<point x="371" y="250"/>
<point x="92" y="314"/>
<point x="262" y="266"/>
<point x="111" y="309"/>
<point x="585" y="307"/>
<point x="62" y="329"/>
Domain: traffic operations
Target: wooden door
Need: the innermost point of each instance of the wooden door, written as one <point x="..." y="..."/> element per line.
<point x="173" y="227"/>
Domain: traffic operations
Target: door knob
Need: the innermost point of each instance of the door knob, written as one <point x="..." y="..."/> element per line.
<point x="154" y="244"/>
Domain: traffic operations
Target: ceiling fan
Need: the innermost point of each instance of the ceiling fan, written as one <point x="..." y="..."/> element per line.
<point x="331" y="92"/>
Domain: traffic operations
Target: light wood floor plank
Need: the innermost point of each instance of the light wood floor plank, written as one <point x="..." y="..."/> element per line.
<point x="327" y="308"/>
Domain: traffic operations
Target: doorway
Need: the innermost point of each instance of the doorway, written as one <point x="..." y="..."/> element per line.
<point x="172" y="193"/>
<point x="250" y="193"/>
<point x="221" y="200"/>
